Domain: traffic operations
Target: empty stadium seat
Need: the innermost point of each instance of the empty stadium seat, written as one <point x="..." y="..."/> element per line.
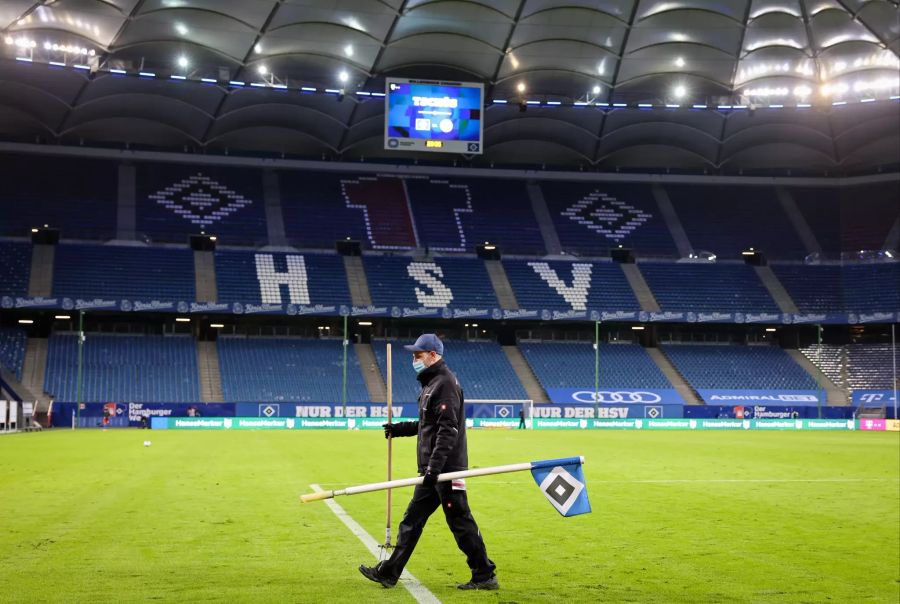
<point x="12" y="349"/>
<point x="812" y="288"/>
<point x="715" y="287"/>
<point x="77" y="196"/>
<point x="571" y="365"/>
<point x="175" y="201"/>
<point x="238" y="279"/>
<point x="123" y="368"/>
<point x="457" y="214"/>
<point x="481" y="366"/>
<point x="130" y="272"/>
<point x="272" y="369"/>
<point x="441" y="282"/>
<point x="727" y="219"/>
<point x="15" y="268"/>
<point x="592" y="218"/>
<point x="583" y="285"/>
<point x="734" y="367"/>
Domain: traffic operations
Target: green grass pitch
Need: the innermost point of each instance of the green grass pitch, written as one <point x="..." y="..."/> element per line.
<point x="93" y="516"/>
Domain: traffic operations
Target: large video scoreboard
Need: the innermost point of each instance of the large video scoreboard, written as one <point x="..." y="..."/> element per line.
<point x="422" y="115"/>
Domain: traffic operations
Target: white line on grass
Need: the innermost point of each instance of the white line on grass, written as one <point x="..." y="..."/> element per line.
<point x="412" y="585"/>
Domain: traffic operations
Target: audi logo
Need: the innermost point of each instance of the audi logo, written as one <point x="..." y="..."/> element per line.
<point x="609" y="396"/>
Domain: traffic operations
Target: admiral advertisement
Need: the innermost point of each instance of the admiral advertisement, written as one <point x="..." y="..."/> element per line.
<point x="771" y="397"/>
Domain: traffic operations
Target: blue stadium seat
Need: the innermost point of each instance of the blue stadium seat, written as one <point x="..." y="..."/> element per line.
<point x="320" y="208"/>
<point x="849" y="219"/>
<point x="12" y="349"/>
<point x="288" y="369"/>
<point x="123" y="368"/>
<point x="872" y="287"/>
<point x="592" y="218"/>
<point x="707" y="287"/>
<point x="77" y="196"/>
<point x="732" y="367"/>
<point x="130" y="272"/>
<point x="727" y="219"/>
<point x="237" y="279"/>
<point x="15" y="268"/>
<point x="606" y="286"/>
<point x="176" y="201"/>
<point x="481" y="366"/>
<point x="814" y="288"/>
<point x="571" y="365"/>
<point x="466" y="282"/>
<point x="458" y="214"/>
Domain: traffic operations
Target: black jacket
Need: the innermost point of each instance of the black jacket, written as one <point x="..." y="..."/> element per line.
<point x="442" y="422"/>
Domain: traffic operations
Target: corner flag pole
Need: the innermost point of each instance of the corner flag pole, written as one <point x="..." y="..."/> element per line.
<point x="390" y="418"/>
<point x="446" y="477"/>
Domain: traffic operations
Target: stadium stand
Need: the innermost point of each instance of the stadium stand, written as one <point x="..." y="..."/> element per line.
<point x="870" y="366"/>
<point x="457" y="214"/>
<point x="320" y="208"/>
<point x="15" y="268"/>
<point x="144" y="273"/>
<point x="830" y="359"/>
<point x="854" y="366"/>
<point x="578" y="285"/>
<point x="12" y="349"/>
<point x="39" y="191"/>
<point x="241" y="280"/>
<point x="872" y="287"/>
<point x="481" y="366"/>
<point x="728" y="219"/>
<point x="707" y="287"/>
<point x="571" y="365"/>
<point x="272" y="369"/>
<point x="849" y="219"/>
<point x="590" y="219"/>
<point x="723" y="366"/>
<point x="433" y="282"/>
<point x="813" y="288"/>
<point x="174" y="202"/>
<point x="123" y="368"/>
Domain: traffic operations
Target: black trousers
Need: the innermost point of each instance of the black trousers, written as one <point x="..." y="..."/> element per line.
<point x="459" y="518"/>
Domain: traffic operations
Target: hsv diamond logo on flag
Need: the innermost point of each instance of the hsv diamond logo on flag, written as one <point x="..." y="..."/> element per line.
<point x="562" y="482"/>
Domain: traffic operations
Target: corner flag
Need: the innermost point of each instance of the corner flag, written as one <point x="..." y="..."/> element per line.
<point x="562" y="482"/>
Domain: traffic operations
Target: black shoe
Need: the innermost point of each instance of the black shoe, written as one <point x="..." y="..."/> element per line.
<point x="490" y="583"/>
<point x="371" y="573"/>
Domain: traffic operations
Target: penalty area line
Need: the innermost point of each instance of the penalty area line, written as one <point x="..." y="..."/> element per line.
<point x="418" y="591"/>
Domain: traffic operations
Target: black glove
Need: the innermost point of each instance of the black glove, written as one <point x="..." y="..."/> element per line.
<point x="429" y="479"/>
<point x="388" y="429"/>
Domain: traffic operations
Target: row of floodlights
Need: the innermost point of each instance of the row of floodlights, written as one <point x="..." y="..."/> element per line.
<point x="679" y="92"/>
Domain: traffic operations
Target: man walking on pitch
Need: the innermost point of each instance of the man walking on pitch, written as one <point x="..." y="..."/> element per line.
<point x="441" y="447"/>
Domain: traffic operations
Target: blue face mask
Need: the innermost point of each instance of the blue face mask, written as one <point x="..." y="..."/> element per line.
<point x="419" y="366"/>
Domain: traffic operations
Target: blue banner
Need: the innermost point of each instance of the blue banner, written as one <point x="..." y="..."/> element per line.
<point x="606" y="411"/>
<point x="773" y="397"/>
<point x="873" y="398"/>
<point x="130" y="414"/>
<point x="324" y="410"/>
<point x="767" y="412"/>
<point x="615" y="396"/>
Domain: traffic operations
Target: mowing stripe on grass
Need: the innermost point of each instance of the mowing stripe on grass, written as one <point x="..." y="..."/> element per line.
<point x="412" y="585"/>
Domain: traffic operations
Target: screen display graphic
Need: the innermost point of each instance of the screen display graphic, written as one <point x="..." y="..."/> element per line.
<point x="424" y="115"/>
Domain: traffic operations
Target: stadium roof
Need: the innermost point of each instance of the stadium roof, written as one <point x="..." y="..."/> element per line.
<point x="730" y="85"/>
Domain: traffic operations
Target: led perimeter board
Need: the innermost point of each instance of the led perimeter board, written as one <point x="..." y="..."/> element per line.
<point x="423" y="115"/>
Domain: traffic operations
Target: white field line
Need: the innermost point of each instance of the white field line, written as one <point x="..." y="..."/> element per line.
<point x="418" y="591"/>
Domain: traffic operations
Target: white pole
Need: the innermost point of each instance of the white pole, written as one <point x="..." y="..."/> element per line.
<point x="894" y="355"/>
<point x="409" y="482"/>
<point x="390" y="418"/>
